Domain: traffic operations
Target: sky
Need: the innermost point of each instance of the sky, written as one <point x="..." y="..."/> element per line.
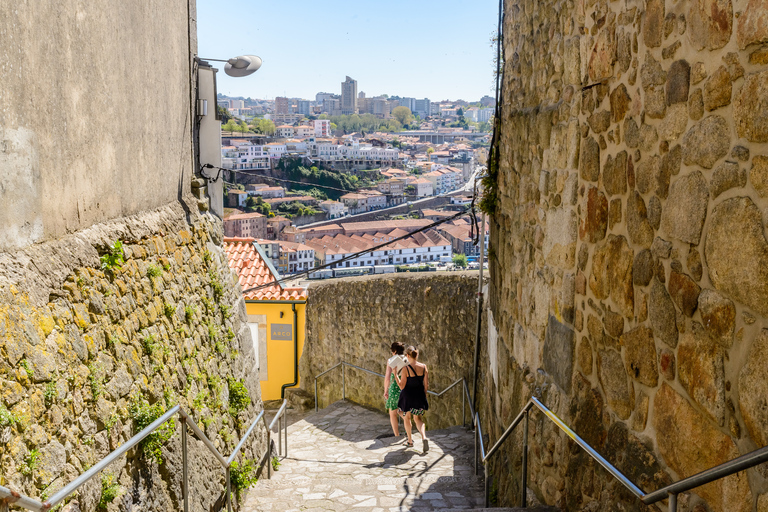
<point x="436" y="49"/>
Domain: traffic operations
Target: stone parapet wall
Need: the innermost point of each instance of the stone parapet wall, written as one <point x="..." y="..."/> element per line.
<point x="629" y="258"/>
<point x="357" y="319"/>
<point x="85" y="353"/>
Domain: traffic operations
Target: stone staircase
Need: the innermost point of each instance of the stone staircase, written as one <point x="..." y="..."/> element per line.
<point x="338" y="461"/>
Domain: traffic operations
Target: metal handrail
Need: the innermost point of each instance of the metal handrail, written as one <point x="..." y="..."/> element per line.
<point x="670" y="491"/>
<point x="8" y="496"/>
<point x="344" y="364"/>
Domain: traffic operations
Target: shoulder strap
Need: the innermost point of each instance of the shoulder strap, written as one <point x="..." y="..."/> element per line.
<point x="411" y="369"/>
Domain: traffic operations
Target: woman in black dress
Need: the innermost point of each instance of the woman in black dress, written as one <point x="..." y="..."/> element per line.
<point x="413" y="381"/>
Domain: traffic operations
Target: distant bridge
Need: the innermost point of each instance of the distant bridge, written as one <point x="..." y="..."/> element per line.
<point x="436" y="137"/>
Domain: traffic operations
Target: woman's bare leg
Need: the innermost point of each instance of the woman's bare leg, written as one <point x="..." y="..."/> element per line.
<point x="395" y="423"/>
<point x="408" y="427"/>
<point x="420" y="426"/>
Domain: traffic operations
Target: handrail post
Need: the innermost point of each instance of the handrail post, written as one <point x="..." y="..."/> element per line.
<point x="185" y="463"/>
<point x="475" y="425"/>
<point x="285" y="432"/>
<point x="672" y="502"/>
<point x="486" y="484"/>
<point x="315" y="394"/>
<point x="269" y="453"/>
<point x="343" y="381"/>
<point x="463" y="410"/>
<point x="229" y="492"/>
<point x="279" y="435"/>
<point x="524" y="488"/>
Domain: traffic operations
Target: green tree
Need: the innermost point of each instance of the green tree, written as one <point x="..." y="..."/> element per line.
<point x="403" y="115"/>
<point x="430" y="151"/>
<point x="460" y="112"/>
<point x="229" y="126"/>
<point x="460" y="260"/>
<point x="223" y="114"/>
<point x="264" y="126"/>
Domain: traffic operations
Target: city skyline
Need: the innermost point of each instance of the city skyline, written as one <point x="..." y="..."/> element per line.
<point x="430" y="49"/>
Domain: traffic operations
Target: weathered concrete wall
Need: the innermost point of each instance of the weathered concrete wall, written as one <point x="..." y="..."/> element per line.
<point x="628" y="248"/>
<point x="80" y="349"/>
<point x="357" y="319"/>
<point x="93" y="102"/>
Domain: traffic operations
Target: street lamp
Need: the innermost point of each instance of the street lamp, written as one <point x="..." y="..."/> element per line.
<point x="208" y="127"/>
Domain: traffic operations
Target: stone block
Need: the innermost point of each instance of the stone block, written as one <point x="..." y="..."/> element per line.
<point x="753" y="390"/>
<point x="615" y="174"/>
<point x="589" y="159"/>
<point x="559" y="347"/>
<point x="696" y="105"/>
<point x="726" y="176"/>
<point x="653" y="23"/>
<point x="640" y="231"/>
<point x="752" y="25"/>
<point x="686" y="209"/>
<point x="678" y="82"/>
<point x="675" y="123"/>
<point x="599" y="121"/>
<point x="655" y="102"/>
<point x="611" y="274"/>
<point x="749" y="110"/>
<point x="614" y="213"/>
<point x="677" y="423"/>
<point x="595" y="222"/>
<point x="758" y="174"/>
<point x="684" y="292"/>
<point x="620" y="103"/>
<point x="617" y="388"/>
<point x="707" y="142"/>
<point x="661" y="309"/>
<point x="718" y="89"/>
<point x="640" y="355"/>
<point x="647" y="174"/>
<point x="700" y="368"/>
<point x="642" y="268"/>
<point x="736" y="253"/>
<point x="651" y="73"/>
<point x="710" y="23"/>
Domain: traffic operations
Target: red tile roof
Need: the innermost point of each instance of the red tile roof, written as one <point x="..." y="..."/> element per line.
<point x="253" y="271"/>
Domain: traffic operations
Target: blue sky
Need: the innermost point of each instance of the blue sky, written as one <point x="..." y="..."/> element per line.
<point x="418" y="48"/>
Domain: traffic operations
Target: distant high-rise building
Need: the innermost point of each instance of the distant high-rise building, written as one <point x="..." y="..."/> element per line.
<point x="422" y="107"/>
<point x="349" y="96"/>
<point x="408" y="102"/>
<point x="361" y="94"/>
<point x="282" y="105"/>
<point x="304" y="107"/>
<point x="488" y="101"/>
<point x="321" y="97"/>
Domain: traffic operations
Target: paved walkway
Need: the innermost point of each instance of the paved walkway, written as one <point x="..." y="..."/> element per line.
<point x="336" y="462"/>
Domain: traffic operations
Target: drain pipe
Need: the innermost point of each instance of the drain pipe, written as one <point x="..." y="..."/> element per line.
<point x="479" y="313"/>
<point x="295" y="353"/>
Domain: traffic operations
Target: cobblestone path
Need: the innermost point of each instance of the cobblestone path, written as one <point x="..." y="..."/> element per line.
<point x="336" y="461"/>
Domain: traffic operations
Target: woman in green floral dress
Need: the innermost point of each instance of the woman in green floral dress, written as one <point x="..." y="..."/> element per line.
<point x="392" y="390"/>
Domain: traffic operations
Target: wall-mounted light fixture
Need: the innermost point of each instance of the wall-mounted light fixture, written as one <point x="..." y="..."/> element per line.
<point x="207" y="129"/>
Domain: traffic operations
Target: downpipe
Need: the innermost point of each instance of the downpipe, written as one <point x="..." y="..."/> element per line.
<point x="295" y="354"/>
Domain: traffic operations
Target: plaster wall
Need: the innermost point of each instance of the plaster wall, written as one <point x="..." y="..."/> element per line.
<point x="94" y="113"/>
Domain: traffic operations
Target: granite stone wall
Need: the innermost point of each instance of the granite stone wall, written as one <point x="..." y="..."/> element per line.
<point x="89" y="355"/>
<point x="357" y="319"/>
<point x="629" y="258"/>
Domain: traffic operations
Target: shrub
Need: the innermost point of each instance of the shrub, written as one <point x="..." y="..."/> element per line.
<point x="143" y="415"/>
<point x="239" y="398"/>
<point x="242" y="476"/>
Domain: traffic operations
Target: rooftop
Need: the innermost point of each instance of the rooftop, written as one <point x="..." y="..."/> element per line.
<point x="253" y="270"/>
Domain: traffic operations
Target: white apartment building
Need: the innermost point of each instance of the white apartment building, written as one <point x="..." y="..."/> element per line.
<point x="423" y="187"/>
<point x="267" y="192"/>
<point x="284" y="131"/>
<point x="275" y="150"/>
<point x="335" y="209"/>
<point x="244" y="155"/>
<point x="298" y="257"/>
<point x="305" y="131"/>
<point x="322" y="127"/>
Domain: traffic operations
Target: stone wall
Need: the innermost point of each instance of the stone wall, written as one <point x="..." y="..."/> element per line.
<point x="629" y="258"/>
<point x="98" y="101"/>
<point x="86" y="352"/>
<point x="357" y="319"/>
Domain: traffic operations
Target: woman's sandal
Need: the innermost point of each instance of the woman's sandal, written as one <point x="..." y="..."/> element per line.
<point x="409" y="444"/>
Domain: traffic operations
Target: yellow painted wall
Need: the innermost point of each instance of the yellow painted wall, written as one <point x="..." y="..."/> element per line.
<point x="279" y="352"/>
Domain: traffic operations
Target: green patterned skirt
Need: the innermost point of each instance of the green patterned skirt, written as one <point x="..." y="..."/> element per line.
<point x="394" y="395"/>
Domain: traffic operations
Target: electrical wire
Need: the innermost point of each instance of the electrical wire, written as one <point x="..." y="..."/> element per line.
<point x="355" y="255"/>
